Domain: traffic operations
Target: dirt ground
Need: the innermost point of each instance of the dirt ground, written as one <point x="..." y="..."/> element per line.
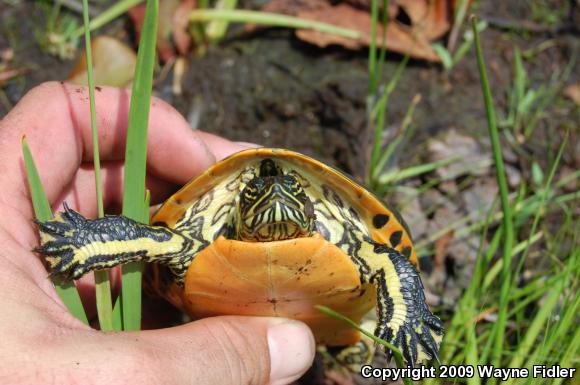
<point x="272" y="89"/>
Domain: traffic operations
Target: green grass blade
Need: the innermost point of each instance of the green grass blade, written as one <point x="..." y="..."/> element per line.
<point x="378" y="113"/>
<point x="102" y="285"/>
<point x="504" y="195"/>
<point x="396" y="352"/>
<point x="543" y="198"/>
<point x="471" y="356"/>
<point x="217" y="29"/>
<point x="67" y="291"/>
<point x="383" y="52"/>
<point x="537" y="326"/>
<point x="117" y="9"/>
<point x="571" y="356"/>
<point x="269" y="19"/>
<point x="396" y="141"/>
<point x="136" y="158"/>
<point x="398" y="175"/>
<point x="118" y="314"/>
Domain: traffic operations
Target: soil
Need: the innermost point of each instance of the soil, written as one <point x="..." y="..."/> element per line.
<point x="272" y="89"/>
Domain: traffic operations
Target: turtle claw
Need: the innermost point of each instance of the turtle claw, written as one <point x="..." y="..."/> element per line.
<point x="59" y="240"/>
<point x="406" y="320"/>
<point x="72" y="216"/>
<point x="416" y="346"/>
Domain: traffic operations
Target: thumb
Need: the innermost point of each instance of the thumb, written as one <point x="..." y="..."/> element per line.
<point x="232" y="350"/>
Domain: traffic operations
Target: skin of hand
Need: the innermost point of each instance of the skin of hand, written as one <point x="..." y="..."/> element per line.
<point x="41" y="341"/>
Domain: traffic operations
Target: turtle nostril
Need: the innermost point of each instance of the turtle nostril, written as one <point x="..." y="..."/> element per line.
<point x="276" y="189"/>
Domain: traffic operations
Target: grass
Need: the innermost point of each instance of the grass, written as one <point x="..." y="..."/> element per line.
<point x="527" y="105"/>
<point x="134" y="196"/>
<point x="67" y="291"/>
<point x="268" y="19"/>
<point x="57" y="36"/>
<point x="117" y="9"/>
<point x="532" y="316"/>
<point x="508" y="227"/>
<point x="102" y="284"/>
<point x="525" y="333"/>
<point x="126" y="314"/>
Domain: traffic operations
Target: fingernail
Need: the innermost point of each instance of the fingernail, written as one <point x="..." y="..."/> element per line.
<point x="291" y="348"/>
<point x="247" y="145"/>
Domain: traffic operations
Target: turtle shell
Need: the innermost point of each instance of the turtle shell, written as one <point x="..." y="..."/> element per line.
<point x="282" y="278"/>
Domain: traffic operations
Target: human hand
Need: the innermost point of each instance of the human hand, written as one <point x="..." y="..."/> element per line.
<point x="41" y="341"/>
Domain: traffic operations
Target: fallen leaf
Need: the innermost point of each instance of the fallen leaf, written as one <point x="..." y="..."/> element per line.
<point x="472" y="158"/>
<point x="172" y="32"/>
<point x="6" y="55"/>
<point x="343" y="15"/>
<point x="113" y="63"/>
<point x="181" y="35"/>
<point x="486" y="315"/>
<point x="441" y="245"/>
<point x="429" y="20"/>
<point x="480" y="195"/>
<point x="8" y="73"/>
<point x="573" y="92"/>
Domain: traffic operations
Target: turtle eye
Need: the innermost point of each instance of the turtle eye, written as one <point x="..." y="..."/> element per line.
<point x="253" y="188"/>
<point x="257" y="184"/>
<point x="290" y="183"/>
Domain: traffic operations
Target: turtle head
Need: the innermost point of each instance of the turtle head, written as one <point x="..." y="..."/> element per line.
<point x="273" y="206"/>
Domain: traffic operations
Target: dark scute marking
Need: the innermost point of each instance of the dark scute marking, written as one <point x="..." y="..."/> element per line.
<point x="379" y="248"/>
<point x="322" y="229"/>
<point x="353" y="213"/>
<point x="332" y="196"/>
<point x="395" y="238"/>
<point x="160" y="223"/>
<point x="380" y="220"/>
<point x="406" y="251"/>
<point x="178" y="201"/>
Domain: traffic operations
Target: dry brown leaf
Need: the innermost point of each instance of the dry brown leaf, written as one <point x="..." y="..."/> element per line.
<point x="441" y="245"/>
<point x="342" y="15"/>
<point x="573" y="92"/>
<point x="113" y="63"/>
<point x="430" y="19"/>
<point x="471" y="158"/>
<point x="172" y="34"/>
<point x="181" y="35"/>
<point x="485" y="314"/>
<point x="9" y="73"/>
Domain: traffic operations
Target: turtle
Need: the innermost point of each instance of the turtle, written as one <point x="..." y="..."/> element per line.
<point x="268" y="232"/>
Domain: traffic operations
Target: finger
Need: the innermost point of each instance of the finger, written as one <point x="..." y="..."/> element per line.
<point x="80" y="194"/>
<point x="222" y="148"/>
<point x="239" y="350"/>
<point x="220" y="350"/>
<point x="56" y="120"/>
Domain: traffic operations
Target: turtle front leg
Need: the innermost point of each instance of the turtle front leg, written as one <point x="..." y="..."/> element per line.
<point x="403" y="317"/>
<point x="74" y="245"/>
